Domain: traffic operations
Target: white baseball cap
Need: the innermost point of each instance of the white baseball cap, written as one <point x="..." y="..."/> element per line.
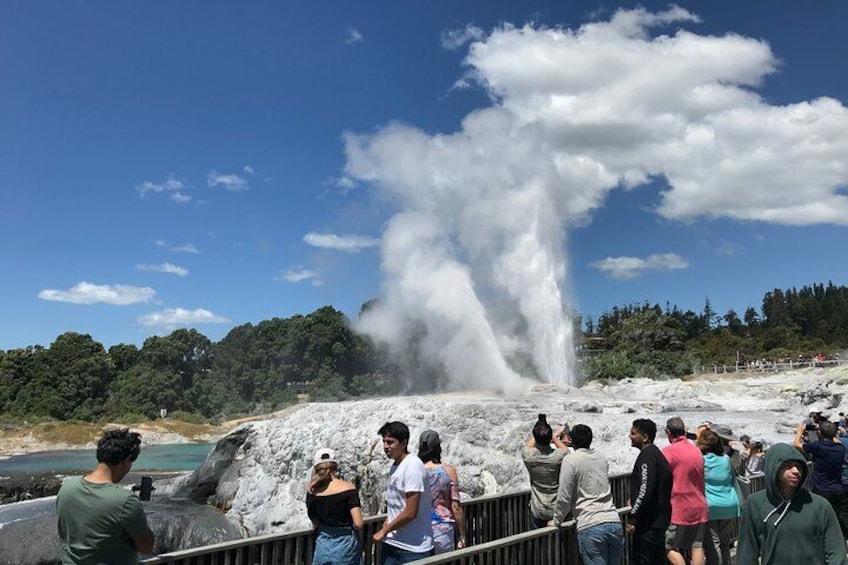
<point x="324" y="455"/>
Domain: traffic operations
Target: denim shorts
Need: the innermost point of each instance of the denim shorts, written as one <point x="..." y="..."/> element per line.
<point x="337" y="546"/>
<point x="443" y="537"/>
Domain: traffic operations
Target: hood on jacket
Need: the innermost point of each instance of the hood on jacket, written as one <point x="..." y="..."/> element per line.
<point x="775" y="457"/>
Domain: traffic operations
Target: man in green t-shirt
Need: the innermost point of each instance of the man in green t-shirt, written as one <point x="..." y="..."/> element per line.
<point x="99" y="521"/>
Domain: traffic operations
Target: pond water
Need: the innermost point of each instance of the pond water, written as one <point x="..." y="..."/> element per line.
<point x="174" y="457"/>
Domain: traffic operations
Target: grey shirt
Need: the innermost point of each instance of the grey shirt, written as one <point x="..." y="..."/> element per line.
<point x="543" y="464"/>
<point x="584" y="490"/>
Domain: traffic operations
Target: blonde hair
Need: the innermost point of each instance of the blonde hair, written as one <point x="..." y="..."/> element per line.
<point x="322" y="475"/>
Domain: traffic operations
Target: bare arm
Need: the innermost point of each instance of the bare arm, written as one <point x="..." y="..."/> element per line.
<point x="799" y="436"/>
<point x="144" y="542"/>
<point x="456" y="509"/>
<point x="356" y="517"/>
<point x="561" y="440"/>
<point x="407" y="515"/>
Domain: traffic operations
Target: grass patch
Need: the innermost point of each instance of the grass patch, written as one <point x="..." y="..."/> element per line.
<point x="76" y="433"/>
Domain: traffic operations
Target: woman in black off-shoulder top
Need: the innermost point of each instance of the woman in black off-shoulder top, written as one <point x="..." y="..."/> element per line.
<point x="334" y="508"/>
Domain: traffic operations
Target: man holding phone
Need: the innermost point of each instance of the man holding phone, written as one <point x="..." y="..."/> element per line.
<point x="543" y="463"/>
<point x="99" y="521"/>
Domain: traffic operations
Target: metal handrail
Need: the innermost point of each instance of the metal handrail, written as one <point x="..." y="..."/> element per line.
<point x="498" y="531"/>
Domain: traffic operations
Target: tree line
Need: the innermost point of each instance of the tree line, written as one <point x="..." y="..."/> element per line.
<point x="259" y="368"/>
<point x="649" y="340"/>
<point x="254" y="368"/>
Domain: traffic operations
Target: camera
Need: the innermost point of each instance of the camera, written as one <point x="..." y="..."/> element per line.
<point x="811" y="427"/>
<point x="543" y="419"/>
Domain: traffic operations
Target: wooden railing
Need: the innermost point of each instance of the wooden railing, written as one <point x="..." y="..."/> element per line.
<point x="498" y="532"/>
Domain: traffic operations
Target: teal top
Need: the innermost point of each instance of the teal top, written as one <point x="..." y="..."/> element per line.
<point x="720" y="489"/>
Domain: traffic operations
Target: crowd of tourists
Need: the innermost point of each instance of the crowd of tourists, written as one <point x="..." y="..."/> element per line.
<point x="684" y="499"/>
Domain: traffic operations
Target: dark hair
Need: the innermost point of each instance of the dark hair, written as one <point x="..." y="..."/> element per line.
<point x="647" y="427"/>
<point x="116" y="446"/>
<point x="709" y="442"/>
<point x="427" y="453"/>
<point x="581" y="436"/>
<point x="397" y="430"/>
<point x="827" y="429"/>
<point x="675" y="427"/>
<point x="542" y="433"/>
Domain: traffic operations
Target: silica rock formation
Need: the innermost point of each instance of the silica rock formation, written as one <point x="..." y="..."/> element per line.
<point x="261" y="483"/>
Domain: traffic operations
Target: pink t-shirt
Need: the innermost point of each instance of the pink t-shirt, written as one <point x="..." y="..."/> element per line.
<point x="688" y="503"/>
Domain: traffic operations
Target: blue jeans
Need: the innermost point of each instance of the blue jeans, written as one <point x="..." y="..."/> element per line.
<point x="602" y="544"/>
<point x="337" y="546"/>
<point x="392" y="555"/>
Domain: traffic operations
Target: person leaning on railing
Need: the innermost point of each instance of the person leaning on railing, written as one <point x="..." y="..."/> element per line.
<point x="584" y="491"/>
<point x="446" y="515"/>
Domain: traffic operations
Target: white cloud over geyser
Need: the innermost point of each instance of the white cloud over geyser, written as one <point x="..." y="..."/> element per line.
<point x="632" y="267"/>
<point x="175" y="317"/>
<point x="349" y="243"/>
<point x="89" y="293"/>
<point x="576" y="113"/>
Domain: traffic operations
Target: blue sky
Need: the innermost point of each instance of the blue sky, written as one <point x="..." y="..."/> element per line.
<point x="207" y="164"/>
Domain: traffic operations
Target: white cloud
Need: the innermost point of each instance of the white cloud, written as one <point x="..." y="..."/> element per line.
<point x="632" y="267"/>
<point x="344" y="182"/>
<point x="248" y="169"/>
<point x="184" y="248"/>
<point x="353" y="36"/>
<point x="229" y="182"/>
<point x="349" y="243"/>
<point x="88" y="293"/>
<point x="173" y="187"/>
<point x="728" y="248"/>
<point x="164" y="268"/>
<point x="575" y="114"/>
<point x="299" y="274"/>
<point x="453" y="39"/>
<point x="175" y="317"/>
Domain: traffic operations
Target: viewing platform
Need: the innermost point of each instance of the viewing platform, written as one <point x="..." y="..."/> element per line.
<point x="498" y="533"/>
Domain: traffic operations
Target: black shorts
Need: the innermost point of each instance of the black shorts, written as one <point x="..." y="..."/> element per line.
<point x="683" y="538"/>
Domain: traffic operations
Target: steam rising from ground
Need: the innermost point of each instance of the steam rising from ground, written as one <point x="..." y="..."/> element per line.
<point x="475" y="256"/>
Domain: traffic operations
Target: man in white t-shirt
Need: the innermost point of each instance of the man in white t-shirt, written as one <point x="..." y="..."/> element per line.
<point x="406" y="534"/>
